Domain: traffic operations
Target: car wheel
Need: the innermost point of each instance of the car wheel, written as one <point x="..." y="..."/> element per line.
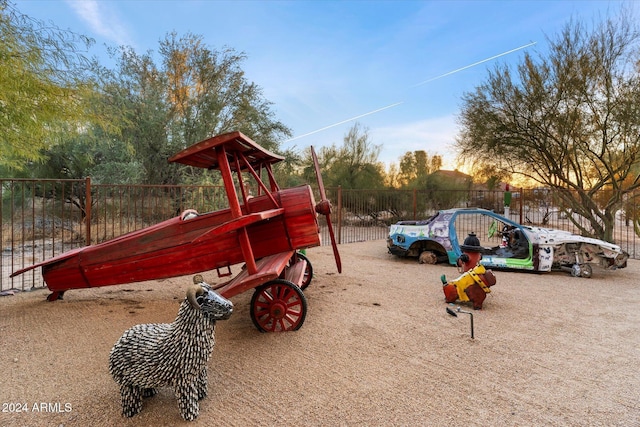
<point x="575" y="270"/>
<point x="586" y="271"/>
<point x="428" y="257"/>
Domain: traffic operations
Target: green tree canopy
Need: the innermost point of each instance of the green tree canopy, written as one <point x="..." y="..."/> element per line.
<point x="567" y="120"/>
<point x="192" y="93"/>
<point x="353" y="165"/>
<point x="42" y="72"/>
<point x="415" y="167"/>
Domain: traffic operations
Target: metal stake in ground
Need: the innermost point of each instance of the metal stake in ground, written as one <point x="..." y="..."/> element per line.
<point x="458" y="310"/>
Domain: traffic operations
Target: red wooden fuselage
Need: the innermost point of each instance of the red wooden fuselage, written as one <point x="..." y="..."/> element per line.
<point x="190" y="244"/>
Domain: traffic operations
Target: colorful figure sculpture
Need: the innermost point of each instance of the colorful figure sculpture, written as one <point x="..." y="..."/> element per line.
<point x="471" y="253"/>
<point x="472" y="285"/>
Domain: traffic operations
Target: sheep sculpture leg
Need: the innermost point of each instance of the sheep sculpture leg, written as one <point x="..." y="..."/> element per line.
<point x="170" y="354"/>
<point x="187" y="395"/>
<point x="131" y="400"/>
<point x="201" y="384"/>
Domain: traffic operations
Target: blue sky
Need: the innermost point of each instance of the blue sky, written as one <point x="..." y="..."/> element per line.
<point x="402" y="66"/>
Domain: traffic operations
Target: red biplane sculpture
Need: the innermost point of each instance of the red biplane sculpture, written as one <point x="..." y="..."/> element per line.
<point x="264" y="232"/>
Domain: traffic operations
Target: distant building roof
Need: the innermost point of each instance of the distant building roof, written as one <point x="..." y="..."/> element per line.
<point x="455" y="175"/>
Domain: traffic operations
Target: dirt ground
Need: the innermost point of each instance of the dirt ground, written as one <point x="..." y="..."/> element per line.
<point x="377" y="348"/>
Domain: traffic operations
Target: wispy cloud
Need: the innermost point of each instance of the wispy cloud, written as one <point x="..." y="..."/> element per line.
<point x="102" y="19"/>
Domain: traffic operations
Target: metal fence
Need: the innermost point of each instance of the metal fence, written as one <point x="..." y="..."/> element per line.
<point x="40" y="219"/>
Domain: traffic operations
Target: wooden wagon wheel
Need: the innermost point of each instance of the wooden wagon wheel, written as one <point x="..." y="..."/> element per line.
<point x="278" y="306"/>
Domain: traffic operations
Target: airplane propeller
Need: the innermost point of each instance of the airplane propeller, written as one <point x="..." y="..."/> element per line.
<point x="324" y="208"/>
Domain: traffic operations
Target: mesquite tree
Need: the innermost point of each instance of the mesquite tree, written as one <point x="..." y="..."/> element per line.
<point x="42" y="83"/>
<point x="568" y="120"/>
<point x="191" y="92"/>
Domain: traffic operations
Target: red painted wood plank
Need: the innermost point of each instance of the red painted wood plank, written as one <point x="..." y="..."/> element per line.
<point x="240" y="222"/>
<point x="167" y="234"/>
<point x="202" y="154"/>
<point x="295" y="273"/>
<point x="53" y="260"/>
<point x="269" y="268"/>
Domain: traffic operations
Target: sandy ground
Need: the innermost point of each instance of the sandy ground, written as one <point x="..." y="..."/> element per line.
<point x="377" y="348"/>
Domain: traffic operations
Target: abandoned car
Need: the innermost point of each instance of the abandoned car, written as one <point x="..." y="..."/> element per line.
<point x="504" y="244"/>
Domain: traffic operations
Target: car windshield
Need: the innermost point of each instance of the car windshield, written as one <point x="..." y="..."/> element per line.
<point x="496" y="236"/>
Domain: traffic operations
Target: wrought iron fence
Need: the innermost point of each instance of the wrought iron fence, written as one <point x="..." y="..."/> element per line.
<point x="43" y="218"/>
<point x="38" y="219"/>
<point x="120" y="209"/>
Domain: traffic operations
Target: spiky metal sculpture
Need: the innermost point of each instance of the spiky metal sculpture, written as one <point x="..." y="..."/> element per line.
<point x="149" y="356"/>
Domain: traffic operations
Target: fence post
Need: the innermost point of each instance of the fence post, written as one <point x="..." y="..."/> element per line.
<point x="521" y="204"/>
<point x="87" y="217"/>
<point x="339" y="214"/>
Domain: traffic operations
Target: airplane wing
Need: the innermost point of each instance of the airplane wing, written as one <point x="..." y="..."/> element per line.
<point x="203" y="154"/>
<point x="55" y="259"/>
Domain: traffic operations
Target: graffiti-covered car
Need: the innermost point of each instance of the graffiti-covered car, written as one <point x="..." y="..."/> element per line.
<point x="504" y="244"/>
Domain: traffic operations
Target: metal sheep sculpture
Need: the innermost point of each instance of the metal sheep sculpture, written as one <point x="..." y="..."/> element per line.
<point x="175" y="354"/>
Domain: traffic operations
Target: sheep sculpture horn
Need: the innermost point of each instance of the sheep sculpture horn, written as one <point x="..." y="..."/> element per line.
<point x="192" y="293"/>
